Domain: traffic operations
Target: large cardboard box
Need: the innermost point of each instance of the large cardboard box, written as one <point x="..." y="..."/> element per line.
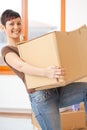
<point x="73" y="120"/>
<point x="64" y="49"/>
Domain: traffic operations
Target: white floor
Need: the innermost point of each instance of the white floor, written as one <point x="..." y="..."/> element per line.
<point x="16" y="124"/>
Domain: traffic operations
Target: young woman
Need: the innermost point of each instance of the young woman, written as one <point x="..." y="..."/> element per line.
<point x="45" y="103"/>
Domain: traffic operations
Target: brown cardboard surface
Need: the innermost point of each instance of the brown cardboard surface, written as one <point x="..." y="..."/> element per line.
<point x="73" y="52"/>
<point x="84" y="79"/>
<point x="82" y="106"/>
<point x="73" y="120"/>
<point x="40" y="52"/>
<point x="64" y="49"/>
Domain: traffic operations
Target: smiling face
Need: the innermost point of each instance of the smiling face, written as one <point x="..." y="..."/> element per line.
<point x="13" y="29"/>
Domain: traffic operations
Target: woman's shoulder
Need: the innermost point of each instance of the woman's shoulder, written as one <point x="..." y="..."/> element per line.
<point x="6" y="49"/>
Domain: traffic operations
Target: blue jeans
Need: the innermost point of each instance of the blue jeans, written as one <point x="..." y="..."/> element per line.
<point x="46" y="103"/>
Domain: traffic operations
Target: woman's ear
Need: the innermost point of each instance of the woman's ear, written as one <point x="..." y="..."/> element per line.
<point x="2" y="27"/>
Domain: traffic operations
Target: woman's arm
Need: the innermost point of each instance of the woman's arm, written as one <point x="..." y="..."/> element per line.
<point x="15" y="61"/>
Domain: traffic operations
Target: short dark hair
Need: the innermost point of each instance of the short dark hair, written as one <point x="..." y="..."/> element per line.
<point x="8" y="15"/>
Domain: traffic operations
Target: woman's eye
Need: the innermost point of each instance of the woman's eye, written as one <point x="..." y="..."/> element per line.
<point x="11" y="24"/>
<point x="19" y="24"/>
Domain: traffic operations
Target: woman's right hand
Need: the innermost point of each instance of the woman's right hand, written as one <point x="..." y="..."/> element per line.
<point x="54" y="72"/>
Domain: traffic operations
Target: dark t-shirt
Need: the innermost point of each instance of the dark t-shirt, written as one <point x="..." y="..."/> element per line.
<point x="21" y="75"/>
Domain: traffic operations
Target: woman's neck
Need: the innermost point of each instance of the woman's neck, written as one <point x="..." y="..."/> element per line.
<point x="13" y="42"/>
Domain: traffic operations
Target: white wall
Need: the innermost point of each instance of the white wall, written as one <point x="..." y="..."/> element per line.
<point x="45" y="11"/>
<point x="76" y="14"/>
<point x="9" y="4"/>
<point x="13" y="93"/>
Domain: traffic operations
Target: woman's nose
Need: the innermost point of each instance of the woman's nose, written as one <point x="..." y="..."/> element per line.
<point x="15" y="26"/>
